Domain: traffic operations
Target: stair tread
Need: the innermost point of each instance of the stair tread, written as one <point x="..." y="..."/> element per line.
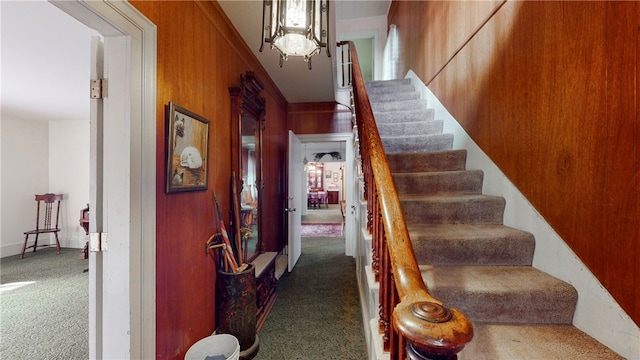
<point x="397" y="106"/>
<point x="439" y="182"/>
<point x="491" y="278"/>
<point x="413" y="136"/>
<point x="471" y="244"/>
<point x="435" y="172"/>
<point x="464" y="231"/>
<point x="447" y="197"/>
<point x="393" y="82"/>
<point x="506" y="294"/>
<point x="561" y="342"/>
<point x="427" y="161"/>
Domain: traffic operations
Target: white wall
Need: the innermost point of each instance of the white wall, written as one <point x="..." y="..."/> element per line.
<point x="39" y="157"/>
<point x="334" y="167"/>
<point x="69" y="174"/>
<point x="362" y="28"/>
<point x="25" y="172"/>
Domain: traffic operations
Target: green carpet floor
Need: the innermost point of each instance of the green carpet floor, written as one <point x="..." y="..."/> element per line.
<point x="44" y="302"/>
<point x="317" y="314"/>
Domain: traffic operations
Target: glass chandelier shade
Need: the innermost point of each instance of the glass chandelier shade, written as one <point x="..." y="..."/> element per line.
<point x="295" y="27"/>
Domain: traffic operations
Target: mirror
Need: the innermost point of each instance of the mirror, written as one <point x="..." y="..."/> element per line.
<point x="247" y="116"/>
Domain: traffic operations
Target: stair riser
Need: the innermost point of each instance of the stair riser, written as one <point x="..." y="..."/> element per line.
<point x="387" y="83"/>
<point x="404" y="116"/>
<point x="413" y="144"/>
<point x="503" y="294"/>
<point x="546" y="307"/>
<point x="399" y="129"/>
<point x="398" y="106"/>
<point x="458" y="182"/>
<point x="435" y="161"/>
<point x="397" y="94"/>
<point x="477" y="210"/>
<point x="483" y="252"/>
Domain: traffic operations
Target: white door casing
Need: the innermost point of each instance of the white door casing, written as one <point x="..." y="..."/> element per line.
<point x="122" y="279"/>
<point x="96" y="201"/>
<point x="350" y="178"/>
<point x="294" y="199"/>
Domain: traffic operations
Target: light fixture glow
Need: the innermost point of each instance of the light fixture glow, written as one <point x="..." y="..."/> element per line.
<point x="295" y="27"/>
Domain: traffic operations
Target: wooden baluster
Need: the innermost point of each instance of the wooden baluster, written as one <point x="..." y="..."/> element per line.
<point x="394" y="338"/>
<point x="385" y="298"/>
<point x="377" y="237"/>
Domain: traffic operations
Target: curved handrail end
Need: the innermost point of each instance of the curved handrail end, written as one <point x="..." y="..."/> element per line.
<point x="432" y="328"/>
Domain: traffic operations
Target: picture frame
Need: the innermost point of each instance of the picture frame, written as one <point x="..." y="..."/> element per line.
<point x="327" y="174"/>
<point x="335" y="177"/>
<point x="187" y="140"/>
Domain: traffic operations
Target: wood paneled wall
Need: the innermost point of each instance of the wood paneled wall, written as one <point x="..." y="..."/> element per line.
<point x="549" y="90"/>
<point x="319" y="118"/>
<point x="199" y="56"/>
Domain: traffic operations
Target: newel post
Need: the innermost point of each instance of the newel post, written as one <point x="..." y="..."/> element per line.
<point x="432" y="331"/>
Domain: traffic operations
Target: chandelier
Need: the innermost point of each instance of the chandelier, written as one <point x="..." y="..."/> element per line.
<point x="295" y="27"/>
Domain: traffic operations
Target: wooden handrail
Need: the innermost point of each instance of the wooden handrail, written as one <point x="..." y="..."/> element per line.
<point x="422" y="326"/>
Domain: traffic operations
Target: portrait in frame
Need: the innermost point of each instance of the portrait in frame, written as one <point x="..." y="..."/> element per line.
<point x="327" y="174"/>
<point x="187" y="150"/>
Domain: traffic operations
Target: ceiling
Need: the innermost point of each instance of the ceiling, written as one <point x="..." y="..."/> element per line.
<point x="296" y="82"/>
<point x="44" y="62"/>
<point x="45" y="57"/>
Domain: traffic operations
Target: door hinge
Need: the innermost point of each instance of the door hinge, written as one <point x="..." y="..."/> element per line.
<point x="98" y="88"/>
<point x="98" y="242"/>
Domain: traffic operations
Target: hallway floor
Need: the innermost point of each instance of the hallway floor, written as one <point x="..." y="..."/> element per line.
<point x="317" y="314"/>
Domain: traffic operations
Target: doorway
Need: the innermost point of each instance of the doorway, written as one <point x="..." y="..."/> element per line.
<point x="344" y="175"/>
<point x="122" y="274"/>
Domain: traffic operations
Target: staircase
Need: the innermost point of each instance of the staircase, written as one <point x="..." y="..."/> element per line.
<point x="469" y="259"/>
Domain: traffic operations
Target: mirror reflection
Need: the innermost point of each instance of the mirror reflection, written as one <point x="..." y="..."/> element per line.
<point x="249" y="193"/>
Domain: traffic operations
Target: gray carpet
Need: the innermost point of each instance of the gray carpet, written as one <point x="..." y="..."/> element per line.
<point x="317" y="314"/>
<point x="47" y="317"/>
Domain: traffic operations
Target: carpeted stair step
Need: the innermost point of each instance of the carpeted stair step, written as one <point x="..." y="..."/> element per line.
<point x="392" y="87"/>
<point x="508" y="342"/>
<point x="459" y="209"/>
<point x="380" y="107"/>
<point x="449" y="160"/>
<point x="400" y="93"/>
<point x="439" y="183"/>
<point x="373" y="85"/>
<point x="417" y="143"/>
<point x="405" y="116"/>
<point x="502" y="294"/>
<point x="413" y="127"/>
<point x="466" y="244"/>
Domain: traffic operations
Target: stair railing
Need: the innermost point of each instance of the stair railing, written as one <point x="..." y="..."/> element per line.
<point x="414" y="324"/>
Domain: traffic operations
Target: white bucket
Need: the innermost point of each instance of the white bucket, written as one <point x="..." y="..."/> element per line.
<point x="213" y="347"/>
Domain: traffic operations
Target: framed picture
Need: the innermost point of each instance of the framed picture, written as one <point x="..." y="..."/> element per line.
<point x="327" y="174"/>
<point x="187" y="150"/>
<point x="335" y="177"/>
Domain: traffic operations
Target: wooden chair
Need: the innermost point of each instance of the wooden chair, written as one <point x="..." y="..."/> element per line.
<point x="50" y="204"/>
<point x="313" y="201"/>
<point x="84" y="223"/>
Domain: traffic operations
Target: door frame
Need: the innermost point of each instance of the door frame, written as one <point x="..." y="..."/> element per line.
<point x="350" y="197"/>
<point x="122" y="19"/>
